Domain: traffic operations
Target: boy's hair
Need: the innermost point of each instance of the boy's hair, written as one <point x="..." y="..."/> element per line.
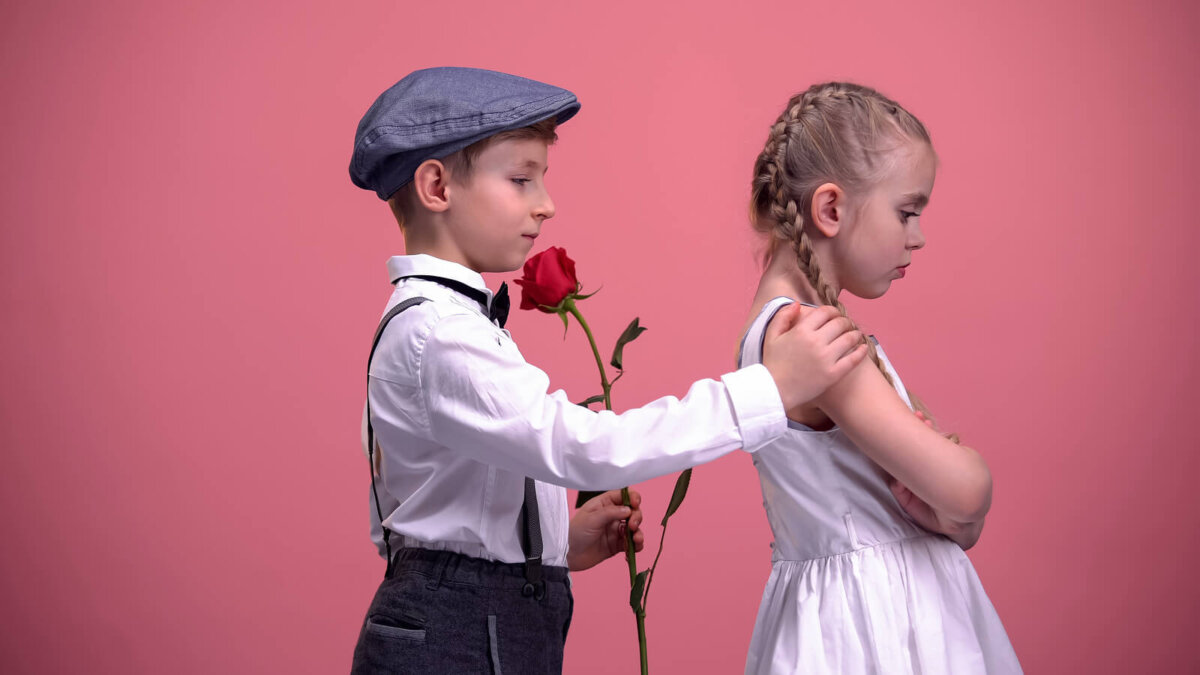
<point x="460" y="164"/>
<point x="839" y="133"/>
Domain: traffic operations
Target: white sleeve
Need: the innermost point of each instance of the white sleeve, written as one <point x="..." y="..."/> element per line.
<point x="482" y="399"/>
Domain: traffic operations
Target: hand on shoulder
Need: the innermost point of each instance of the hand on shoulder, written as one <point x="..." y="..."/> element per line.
<point x="807" y="349"/>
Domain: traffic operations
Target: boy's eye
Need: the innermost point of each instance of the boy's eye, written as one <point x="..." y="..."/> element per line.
<point x="905" y="215"/>
<point x="521" y="181"/>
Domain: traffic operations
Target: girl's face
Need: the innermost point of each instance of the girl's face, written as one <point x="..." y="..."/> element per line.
<point x="876" y="246"/>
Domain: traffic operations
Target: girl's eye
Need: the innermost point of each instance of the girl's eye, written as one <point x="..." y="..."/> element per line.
<point x="520" y="181"/>
<point x="905" y="215"/>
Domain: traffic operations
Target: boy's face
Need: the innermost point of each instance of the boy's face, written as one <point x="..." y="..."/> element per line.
<point x="495" y="214"/>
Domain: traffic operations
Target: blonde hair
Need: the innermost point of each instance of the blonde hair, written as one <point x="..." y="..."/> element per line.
<point x="838" y="133"/>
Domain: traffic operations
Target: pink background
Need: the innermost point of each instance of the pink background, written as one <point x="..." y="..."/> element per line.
<point x="190" y="281"/>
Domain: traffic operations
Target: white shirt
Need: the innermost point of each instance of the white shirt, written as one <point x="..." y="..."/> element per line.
<point x="462" y="419"/>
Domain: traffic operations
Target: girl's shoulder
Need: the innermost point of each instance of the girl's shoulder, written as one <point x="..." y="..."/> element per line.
<point x="750" y="349"/>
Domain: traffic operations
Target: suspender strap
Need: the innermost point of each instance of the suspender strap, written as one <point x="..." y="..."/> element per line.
<point x="387" y="318"/>
<point x="531" y="543"/>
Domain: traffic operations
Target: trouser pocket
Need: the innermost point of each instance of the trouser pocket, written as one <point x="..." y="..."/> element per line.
<point x="408" y="626"/>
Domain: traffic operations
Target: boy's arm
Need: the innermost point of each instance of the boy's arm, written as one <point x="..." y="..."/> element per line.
<point x="481" y="398"/>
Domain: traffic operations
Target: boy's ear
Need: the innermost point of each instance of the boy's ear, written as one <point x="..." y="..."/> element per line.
<point x="429" y="185"/>
<point x="829" y="209"/>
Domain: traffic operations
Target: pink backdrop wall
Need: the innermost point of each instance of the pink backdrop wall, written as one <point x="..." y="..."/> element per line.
<point x="189" y="282"/>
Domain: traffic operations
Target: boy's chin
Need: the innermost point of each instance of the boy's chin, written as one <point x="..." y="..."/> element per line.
<point x="501" y="266"/>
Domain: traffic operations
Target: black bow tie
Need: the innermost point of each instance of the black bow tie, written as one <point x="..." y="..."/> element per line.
<point x="498" y="311"/>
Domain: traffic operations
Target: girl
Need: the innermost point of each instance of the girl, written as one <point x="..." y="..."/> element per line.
<point x="870" y="506"/>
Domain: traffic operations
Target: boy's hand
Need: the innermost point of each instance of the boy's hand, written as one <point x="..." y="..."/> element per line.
<point x="597" y="530"/>
<point x="807" y="349"/>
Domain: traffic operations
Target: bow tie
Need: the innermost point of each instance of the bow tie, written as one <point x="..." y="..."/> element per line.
<point x="498" y="311"/>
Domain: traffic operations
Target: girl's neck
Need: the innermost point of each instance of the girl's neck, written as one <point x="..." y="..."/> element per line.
<point x="782" y="277"/>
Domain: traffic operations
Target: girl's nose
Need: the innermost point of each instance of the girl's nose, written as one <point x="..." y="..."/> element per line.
<point x="916" y="238"/>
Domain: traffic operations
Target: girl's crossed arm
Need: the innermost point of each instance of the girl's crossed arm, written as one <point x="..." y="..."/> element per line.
<point x="951" y="479"/>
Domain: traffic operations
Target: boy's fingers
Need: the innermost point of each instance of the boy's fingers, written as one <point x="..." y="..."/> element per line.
<point x="610" y="513"/>
<point x="617" y="532"/>
<point x="635" y="521"/>
<point x="850" y="361"/>
<point x="836" y="328"/>
<point x="635" y="498"/>
<point x="610" y="498"/>
<point x="844" y="345"/>
<point x="783" y="321"/>
<point x="815" y="318"/>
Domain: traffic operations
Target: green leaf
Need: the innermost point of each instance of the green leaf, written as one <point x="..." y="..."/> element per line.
<point x="681" y="488"/>
<point x="631" y="333"/>
<point x="638" y="590"/>
<point x="598" y="398"/>
<point x="584" y="496"/>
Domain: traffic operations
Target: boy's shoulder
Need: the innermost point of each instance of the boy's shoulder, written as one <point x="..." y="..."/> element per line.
<point x="437" y="305"/>
<point x="446" y="326"/>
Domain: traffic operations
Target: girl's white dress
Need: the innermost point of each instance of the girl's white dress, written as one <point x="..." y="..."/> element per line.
<point x="855" y="585"/>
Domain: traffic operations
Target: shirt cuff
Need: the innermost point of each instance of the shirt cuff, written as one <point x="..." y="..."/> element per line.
<point x="757" y="407"/>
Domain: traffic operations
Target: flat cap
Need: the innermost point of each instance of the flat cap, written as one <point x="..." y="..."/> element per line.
<point x="436" y="112"/>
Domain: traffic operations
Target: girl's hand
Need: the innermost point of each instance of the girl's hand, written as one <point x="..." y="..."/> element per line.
<point x="964" y="534"/>
<point x="597" y="530"/>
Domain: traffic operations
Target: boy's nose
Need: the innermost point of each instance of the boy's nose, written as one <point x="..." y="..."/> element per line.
<point x="545" y="208"/>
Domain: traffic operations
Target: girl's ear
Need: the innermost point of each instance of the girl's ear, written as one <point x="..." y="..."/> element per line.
<point x="828" y="209"/>
<point x="430" y="182"/>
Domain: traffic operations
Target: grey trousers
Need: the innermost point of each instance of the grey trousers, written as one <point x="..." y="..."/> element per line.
<point x="441" y="612"/>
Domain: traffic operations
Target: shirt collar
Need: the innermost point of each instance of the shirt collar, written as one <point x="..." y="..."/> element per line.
<point x="421" y="263"/>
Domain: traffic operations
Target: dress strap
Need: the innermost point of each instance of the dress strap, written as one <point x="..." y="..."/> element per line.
<point x="751" y="349"/>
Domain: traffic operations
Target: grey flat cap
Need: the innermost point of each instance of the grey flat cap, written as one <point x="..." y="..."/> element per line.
<point x="435" y="112"/>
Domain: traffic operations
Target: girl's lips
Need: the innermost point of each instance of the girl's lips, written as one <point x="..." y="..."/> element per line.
<point x="900" y="271"/>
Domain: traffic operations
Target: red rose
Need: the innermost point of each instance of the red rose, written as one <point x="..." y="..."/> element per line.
<point x="548" y="278"/>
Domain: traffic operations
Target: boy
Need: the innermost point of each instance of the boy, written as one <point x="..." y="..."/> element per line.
<point x="466" y="429"/>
